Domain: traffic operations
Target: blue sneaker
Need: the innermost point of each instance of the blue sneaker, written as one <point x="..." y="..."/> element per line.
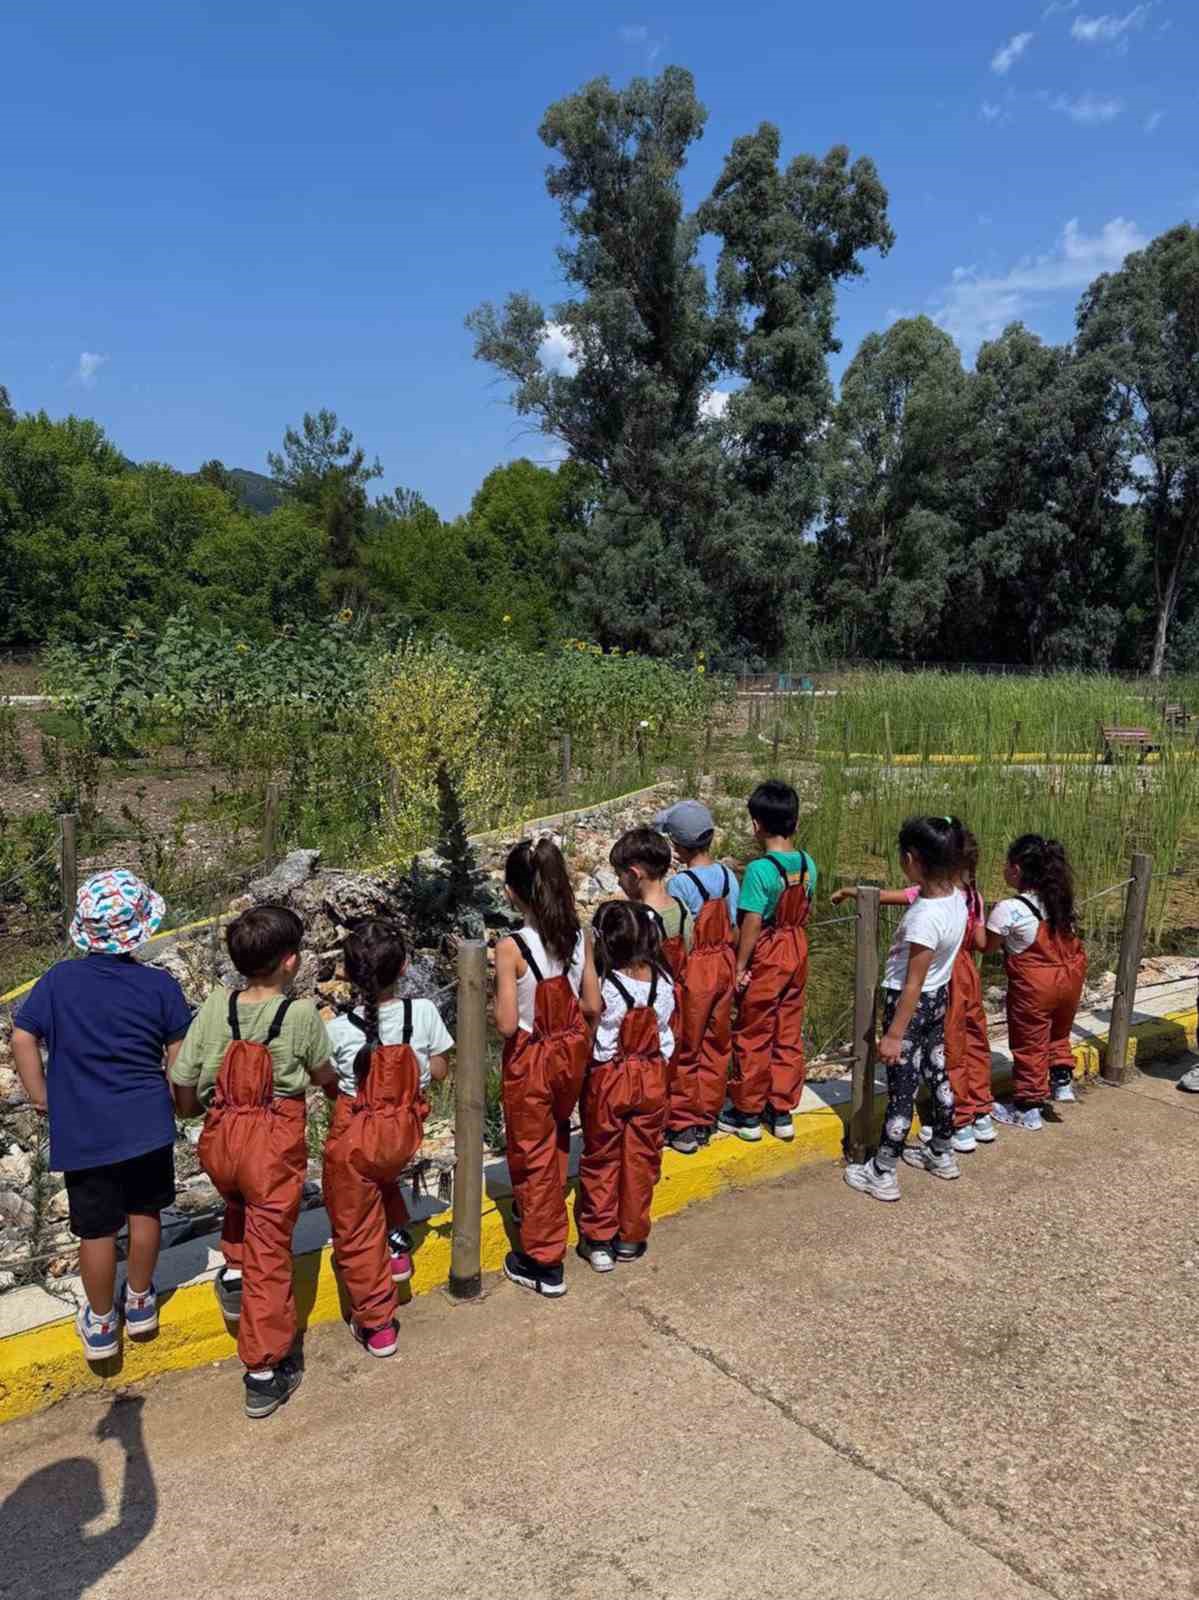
<point x="141" y="1311"/>
<point x="984" y="1130"/>
<point x="1012" y="1116"/>
<point x="98" y="1335"/>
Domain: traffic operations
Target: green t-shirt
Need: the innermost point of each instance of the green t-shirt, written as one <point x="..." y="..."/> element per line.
<point x="677" y="919"/>
<point x="761" y="885"/>
<point x="302" y="1045"/>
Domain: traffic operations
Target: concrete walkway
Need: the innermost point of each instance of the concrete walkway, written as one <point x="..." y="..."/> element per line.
<point x="985" y="1391"/>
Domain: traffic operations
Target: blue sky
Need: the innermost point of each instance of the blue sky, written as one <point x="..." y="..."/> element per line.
<point x="218" y="216"/>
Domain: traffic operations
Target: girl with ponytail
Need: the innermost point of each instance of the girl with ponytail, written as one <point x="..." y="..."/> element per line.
<point x="385" y="1053"/>
<point x="546" y="1003"/>
<point x="1046" y="969"/>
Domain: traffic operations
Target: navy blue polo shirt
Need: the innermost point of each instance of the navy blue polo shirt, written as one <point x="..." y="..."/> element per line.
<point x="105" y="1021"/>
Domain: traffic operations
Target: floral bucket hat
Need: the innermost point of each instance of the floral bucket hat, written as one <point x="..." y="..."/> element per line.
<point x="115" y="913"/>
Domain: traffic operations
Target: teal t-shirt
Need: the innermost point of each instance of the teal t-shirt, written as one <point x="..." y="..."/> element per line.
<point x="761" y="885"/>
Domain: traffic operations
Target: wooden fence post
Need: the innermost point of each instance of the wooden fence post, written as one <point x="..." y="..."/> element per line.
<point x="470" y="1078"/>
<point x="774" y="743"/>
<point x="565" y="765"/>
<point x="890" y="748"/>
<point x="707" y="747"/>
<point x="68" y="863"/>
<point x="1132" y="938"/>
<point x="270" y="823"/>
<point x="865" y="990"/>
<point x="1011" y="749"/>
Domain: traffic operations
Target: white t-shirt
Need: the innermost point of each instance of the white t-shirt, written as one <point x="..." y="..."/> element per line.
<point x="936" y="924"/>
<point x="430" y="1037"/>
<point x="1017" y="925"/>
<point x="607" y="1035"/>
<point x="526" y="985"/>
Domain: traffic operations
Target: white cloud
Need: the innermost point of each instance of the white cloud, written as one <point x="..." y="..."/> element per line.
<point x="990" y="112"/>
<point x="714" y="404"/>
<point x="1108" y="29"/>
<point x="633" y="33"/>
<point x="557" y="353"/>
<point x="1154" y="121"/>
<point x="1059" y="5"/>
<point x="1088" y="110"/>
<point x="1007" y="55"/>
<point x="976" y="306"/>
<point x="89" y="365"/>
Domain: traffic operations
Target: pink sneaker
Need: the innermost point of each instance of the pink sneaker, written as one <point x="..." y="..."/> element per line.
<point x="400" y="1246"/>
<point x="378" y="1341"/>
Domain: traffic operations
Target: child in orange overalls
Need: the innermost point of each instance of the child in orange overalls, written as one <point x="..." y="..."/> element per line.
<point x="250" y="1056"/>
<point x="546" y="1002"/>
<point x="385" y="1057"/>
<point x="1046" y="969"/>
<point x="626" y="1096"/>
<point x="772" y="972"/>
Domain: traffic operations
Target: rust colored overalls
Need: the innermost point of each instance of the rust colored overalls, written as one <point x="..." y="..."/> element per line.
<point x="540" y="1085"/>
<point x="768" y="1038"/>
<point x="253" y="1148"/>
<point x="967" y="1043"/>
<point x="703" y="1030"/>
<point x="1044" y="987"/>
<point x="372" y="1138"/>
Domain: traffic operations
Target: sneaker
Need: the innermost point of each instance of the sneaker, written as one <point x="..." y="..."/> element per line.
<point x="780" y="1123"/>
<point x="400" y="1249"/>
<point x="1063" y="1093"/>
<point x="141" y="1312"/>
<point x="703" y="1136"/>
<point x="940" y="1164"/>
<point x="1014" y="1116"/>
<point x="630" y="1252"/>
<point x="99" y="1336"/>
<point x="964" y="1138"/>
<point x="228" y="1295"/>
<point x="683" y="1140"/>
<point x="984" y="1130"/>
<point x="1189" y="1082"/>
<point x="529" y="1274"/>
<point x="866" y="1178"/>
<point x="745" y="1124"/>
<point x="377" y="1341"/>
<point x="264" y="1396"/>
<point x="599" y="1257"/>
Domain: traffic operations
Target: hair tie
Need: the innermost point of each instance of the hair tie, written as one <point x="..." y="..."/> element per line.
<point x="948" y="821"/>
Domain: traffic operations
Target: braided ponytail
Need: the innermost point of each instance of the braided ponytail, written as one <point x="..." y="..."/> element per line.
<point x="374" y="955"/>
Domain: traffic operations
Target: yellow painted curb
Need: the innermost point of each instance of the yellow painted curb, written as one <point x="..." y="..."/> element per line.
<point x="44" y="1365"/>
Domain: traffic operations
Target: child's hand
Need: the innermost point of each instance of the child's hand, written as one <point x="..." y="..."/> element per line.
<point x="838" y="896"/>
<point x="889" y="1050"/>
<point x="742" y="982"/>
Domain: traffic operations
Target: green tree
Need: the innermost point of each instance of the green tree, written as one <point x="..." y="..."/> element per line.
<point x="320" y="467"/>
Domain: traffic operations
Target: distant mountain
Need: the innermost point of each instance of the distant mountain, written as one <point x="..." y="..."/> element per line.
<point x="256" y="491"/>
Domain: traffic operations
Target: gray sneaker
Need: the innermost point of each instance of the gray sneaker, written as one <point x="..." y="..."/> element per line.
<point x="1189" y="1082"/>
<point x="866" y="1178"/>
<point x="940" y="1165"/>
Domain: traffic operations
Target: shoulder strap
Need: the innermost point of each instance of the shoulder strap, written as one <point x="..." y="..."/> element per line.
<point x="724" y="893"/>
<point x="779" y="868"/>
<point x="684" y="913"/>
<point x="614" y="980"/>
<point x="356" y="1022"/>
<point x="407" y="1021"/>
<point x="276" y="1027"/>
<point x="697" y="881"/>
<point x="653" y="986"/>
<point x="527" y="954"/>
<point x="234" y="1025"/>
<point x="1040" y="915"/>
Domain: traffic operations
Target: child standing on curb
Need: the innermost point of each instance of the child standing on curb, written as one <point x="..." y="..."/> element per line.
<point x="546" y="1003"/>
<point x="1046" y="969"/>
<point x="641" y="859"/>
<point x="916" y="990"/>
<point x="626" y="1095"/>
<point x="385" y="1057"/>
<point x="110" y="1026"/>
<point x="249" y="1058"/>
<point x="772" y="972"/>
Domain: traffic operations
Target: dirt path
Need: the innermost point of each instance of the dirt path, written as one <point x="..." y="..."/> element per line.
<point x="982" y="1392"/>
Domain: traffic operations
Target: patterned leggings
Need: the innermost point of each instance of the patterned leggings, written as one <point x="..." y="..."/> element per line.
<point x="922" y="1057"/>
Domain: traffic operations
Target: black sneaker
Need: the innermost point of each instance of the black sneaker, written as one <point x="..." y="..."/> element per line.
<point x="599" y="1257"/>
<point x="703" y="1136"/>
<point x="746" y="1125"/>
<point x="264" y="1396"/>
<point x="518" y="1268"/>
<point x="780" y="1123"/>
<point x="228" y="1296"/>
<point x="683" y="1140"/>
<point x="630" y="1252"/>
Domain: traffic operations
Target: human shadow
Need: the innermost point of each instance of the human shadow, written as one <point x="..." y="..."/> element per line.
<point x="43" y="1523"/>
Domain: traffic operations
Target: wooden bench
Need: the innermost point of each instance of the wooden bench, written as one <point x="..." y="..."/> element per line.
<point x="1113" y="739"/>
<point x="1177" y="718"/>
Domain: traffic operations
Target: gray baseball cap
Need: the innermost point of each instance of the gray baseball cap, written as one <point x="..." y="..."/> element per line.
<point x="686" y="822"/>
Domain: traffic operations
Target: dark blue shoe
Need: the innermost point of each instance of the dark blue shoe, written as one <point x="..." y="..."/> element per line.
<point x="99" y="1336"/>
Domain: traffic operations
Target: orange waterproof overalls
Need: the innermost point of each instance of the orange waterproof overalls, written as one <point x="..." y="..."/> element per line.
<point x="372" y="1138"/>
<point x="967" y="1044"/>
<point x="253" y="1148"/>
<point x="539" y="1086"/>
<point x="703" y="1028"/>
<point x="768" y="1058"/>
<point x="1044" y="987"/>
<point x="625" y="1102"/>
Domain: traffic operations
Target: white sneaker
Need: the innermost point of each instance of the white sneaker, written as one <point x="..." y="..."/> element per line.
<point x="866" y="1178"/>
<point x="1063" y="1092"/>
<point x="1013" y="1117"/>
<point x="940" y="1165"/>
<point x="963" y="1139"/>
<point x="984" y="1130"/>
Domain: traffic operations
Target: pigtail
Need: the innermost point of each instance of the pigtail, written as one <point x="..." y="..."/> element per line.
<point x="374" y="956"/>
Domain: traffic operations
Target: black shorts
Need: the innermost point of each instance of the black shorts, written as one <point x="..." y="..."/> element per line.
<point x="102" y="1197"/>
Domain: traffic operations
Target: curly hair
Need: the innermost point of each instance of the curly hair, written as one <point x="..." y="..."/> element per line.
<point x="1045" y="869"/>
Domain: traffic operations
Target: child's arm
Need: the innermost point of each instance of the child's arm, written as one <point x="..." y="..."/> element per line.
<point x="590" y="1002"/>
<point x="27" y="1058"/>
<point x="886" y="897"/>
<point x="324" y="1076"/>
<point x="507" y="1013"/>
<point x="750" y="932"/>
<point x="994" y="941"/>
<point x="187" y="1101"/>
<point x="920" y="959"/>
<point x="439" y="1067"/>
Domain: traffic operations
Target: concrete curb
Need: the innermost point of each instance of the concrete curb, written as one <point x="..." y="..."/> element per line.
<point x="43" y="1365"/>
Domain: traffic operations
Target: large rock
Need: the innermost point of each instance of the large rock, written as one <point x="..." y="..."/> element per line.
<point x="16" y="1167"/>
<point x="282" y="881"/>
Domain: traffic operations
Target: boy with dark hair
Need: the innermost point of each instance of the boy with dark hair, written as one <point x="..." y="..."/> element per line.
<point x="249" y="1058"/>
<point x="641" y="859"/>
<point x="109" y="1025"/>
<point x="772" y="971"/>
